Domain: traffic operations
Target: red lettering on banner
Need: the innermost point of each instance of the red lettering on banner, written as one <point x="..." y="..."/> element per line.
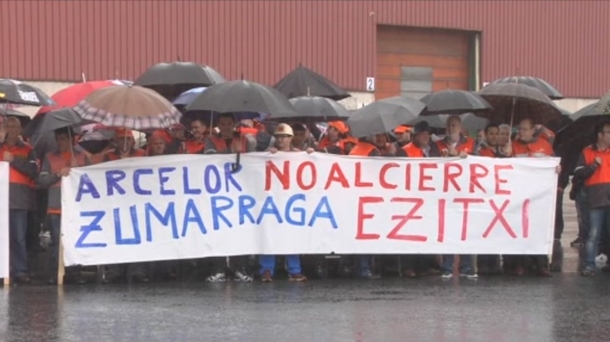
<point x="418" y="203"/>
<point x="423" y="177"/>
<point x="336" y="175"/>
<point x="451" y="176"/>
<point x="525" y="218"/>
<point x="441" y="220"/>
<point x="499" y="217"/>
<point x="408" y="177"/>
<point x="497" y="169"/>
<point x="466" y="203"/>
<point x="360" y="234"/>
<point x="314" y="175"/>
<point x="283" y="176"/>
<point x="384" y="169"/>
<point x="474" y="177"/>
<point x="358" y="182"/>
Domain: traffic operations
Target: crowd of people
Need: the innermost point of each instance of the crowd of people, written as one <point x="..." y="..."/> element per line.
<point x="31" y="176"/>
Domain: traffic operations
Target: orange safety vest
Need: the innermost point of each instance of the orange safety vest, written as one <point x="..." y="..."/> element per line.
<point x="58" y="161"/>
<point x="115" y="155"/>
<point x="247" y="130"/>
<point x="194" y="147"/>
<point x="20" y="150"/>
<point x="534" y="148"/>
<point x="466" y="144"/>
<point x="487" y="152"/>
<point x="363" y="149"/>
<point x="413" y="151"/>
<point x="220" y="144"/>
<point x="602" y="173"/>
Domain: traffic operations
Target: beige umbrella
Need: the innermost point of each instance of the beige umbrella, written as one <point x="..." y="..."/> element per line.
<point x="128" y="106"/>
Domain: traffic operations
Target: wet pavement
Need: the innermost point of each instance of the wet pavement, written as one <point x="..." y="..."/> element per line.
<point x="566" y="307"/>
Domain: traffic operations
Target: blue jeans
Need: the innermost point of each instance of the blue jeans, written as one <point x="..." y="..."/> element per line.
<point x="582" y="212"/>
<point x="267" y="263"/>
<point x="465" y="263"/>
<point x="598" y="218"/>
<point x="18" y="222"/>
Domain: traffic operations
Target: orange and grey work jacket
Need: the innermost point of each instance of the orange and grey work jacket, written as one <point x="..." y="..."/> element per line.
<point x="23" y="172"/>
<point x="51" y="165"/>
<point x="214" y="143"/>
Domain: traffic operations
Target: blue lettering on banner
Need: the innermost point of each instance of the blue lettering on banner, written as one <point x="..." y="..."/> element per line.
<point x="229" y="176"/>
<point x="136" y="240"/>
<point x="185" y="182"/>
<point x="327" y="213"/>
<point x="85" y="186"/>
<point x="299" y="211"/>
<point x="163" y="179"/>
<point x="168" y="218"/>
<point x="246" y="203"/>
<point x="136" y="181"/>
<point x="217" y="210"/>
<point x="212" y="183"/>
<point x="113" y="177"/>
<point x="269" y="208"/>
<point x="191" y="210"/>
<point x="93" y="226"/>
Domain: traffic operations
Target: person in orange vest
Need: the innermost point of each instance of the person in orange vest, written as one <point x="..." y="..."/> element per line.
<point x="56" y="165"/>
<point x="196" y="144"/>
<point x="124" y="143"/>
<point x="594" y="167"/>
<point x="421" y="145"/>
<point x="283" y="136"/>
<point x="528" y="146"/>
<point x="384" y="146"/>
<point x="157" y="144"/>
<point x="336" y="131"/>
<point x="174" y="139"/>
<point x="257" y="132"/>
<point x="403" y="136"/>
<point x="226" y="141"/>
<point x="492" y="148"/>
<point x="23" y="172"/>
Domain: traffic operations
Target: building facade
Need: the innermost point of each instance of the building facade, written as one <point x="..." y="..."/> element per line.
<point x="372" y="48"/>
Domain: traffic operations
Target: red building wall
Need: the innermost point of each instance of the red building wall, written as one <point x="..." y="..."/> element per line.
<point x="564" y="42"/>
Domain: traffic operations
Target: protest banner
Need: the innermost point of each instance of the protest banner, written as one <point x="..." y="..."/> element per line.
<point x="186" y="206"/>
<point x="4" y="221"/>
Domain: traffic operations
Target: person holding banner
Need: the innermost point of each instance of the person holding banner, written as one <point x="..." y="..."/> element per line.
<point x="23" y="172"/>
<point x="227" y="141"/>
<point x="283" y="136"/>
<point x="403" y="136"/>
<point x="593" y="167"/>
<point x="56" y="165"/>
<point x="336" y="131"/>
<point x="456" y="144"/>
<point x="196" y="144"/>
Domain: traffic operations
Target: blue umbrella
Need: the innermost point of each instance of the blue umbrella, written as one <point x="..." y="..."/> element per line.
<point x="188" y="96"/>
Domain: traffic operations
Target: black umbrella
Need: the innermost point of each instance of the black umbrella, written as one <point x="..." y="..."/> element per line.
<point x="515" y="102"/>
<point x="172" y="79"/>
<point x="314" y="109"/>
<point x="12" y="91"/>
<point x="304" y="82"/>
<point x="469" y="121"/>
<point x="384" y="115"/>
<point x="60" y="118"/>
<point x="454" y="102"/>
<point x="24" y="119"/>
<point x="534" y="82"/>
<point x="580" y="131"/>
<point x="242" y="97"/>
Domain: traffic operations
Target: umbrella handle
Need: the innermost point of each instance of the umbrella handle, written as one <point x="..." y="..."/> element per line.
<point x="235" y="167"/>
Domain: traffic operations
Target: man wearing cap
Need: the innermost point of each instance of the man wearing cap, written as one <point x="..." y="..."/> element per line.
<point x="283" y="136"/>
<point x="403" y="136"/>
<point x="226" y="141"/>
<point x="124" y="143"/>
<point x="336" y="131"/>
<point x="23" y="172"/>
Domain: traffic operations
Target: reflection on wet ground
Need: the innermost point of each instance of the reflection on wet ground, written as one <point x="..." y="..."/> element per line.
<point x="563" y="308"/>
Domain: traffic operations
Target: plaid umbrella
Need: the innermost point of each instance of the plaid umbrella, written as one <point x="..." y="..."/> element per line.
<point x="72" y="95"/>
<point x="172" y="79"/>
<point x="451" y="101"/>
<point x="131" y="107"/>
<point x="513" y="102"/>
<point x="12" y="91"/>
<point x="534" y="82"/>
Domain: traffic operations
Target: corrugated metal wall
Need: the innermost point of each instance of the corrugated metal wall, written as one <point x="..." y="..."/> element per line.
<point x="565" y="42"/>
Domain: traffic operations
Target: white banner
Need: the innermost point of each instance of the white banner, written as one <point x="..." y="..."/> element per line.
<point x="4" y="221"/>
<point x="186" y="206"/>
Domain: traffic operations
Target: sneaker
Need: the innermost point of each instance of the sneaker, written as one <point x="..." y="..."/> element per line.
<point x="469" y="274"/>
<point x="587" y="272"/>
<point x="266" y="277"/>
<point x="297" y="277"/>
<point x="447" y="275"/>
<point x="577" y="243"/>
<point x="216" y="278"/>
<point x="242" y="277"/>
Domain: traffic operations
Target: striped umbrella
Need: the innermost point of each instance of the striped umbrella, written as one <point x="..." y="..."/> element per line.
<point x="131" y="107"/>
